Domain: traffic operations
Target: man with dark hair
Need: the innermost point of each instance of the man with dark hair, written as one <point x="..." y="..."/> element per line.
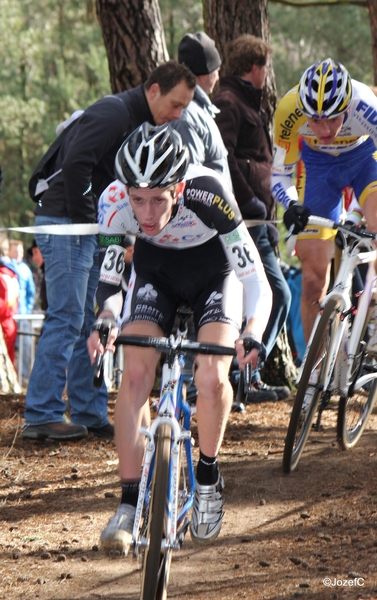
<point x="86" y="159"/>
<point x="197" y="125"/>
<point x="244" y="128"/>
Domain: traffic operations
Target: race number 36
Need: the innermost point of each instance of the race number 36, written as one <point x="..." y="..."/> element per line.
<point x="113" y="265"/>
<point x="243" y="255"/>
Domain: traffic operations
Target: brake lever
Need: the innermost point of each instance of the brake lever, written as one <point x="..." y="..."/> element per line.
<point x="98" y="377"/>
<point x="290" y="233"/>
<point x="247" y="371"/>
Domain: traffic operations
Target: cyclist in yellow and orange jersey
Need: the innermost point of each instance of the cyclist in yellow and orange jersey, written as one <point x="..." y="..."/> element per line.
<point x="336" y="117"/>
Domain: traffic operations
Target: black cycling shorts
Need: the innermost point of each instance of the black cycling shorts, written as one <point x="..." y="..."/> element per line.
<point x="201" y="276"/>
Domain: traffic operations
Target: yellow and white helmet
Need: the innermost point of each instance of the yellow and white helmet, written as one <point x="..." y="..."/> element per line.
<point x="325" y="90"/>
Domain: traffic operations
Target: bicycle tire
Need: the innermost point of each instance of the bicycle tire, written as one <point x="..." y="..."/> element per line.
<point x="301" y="419"/>
<point x="163" y="579"/>
<point x="355" y="408"/>
<point x="156" y="564"/>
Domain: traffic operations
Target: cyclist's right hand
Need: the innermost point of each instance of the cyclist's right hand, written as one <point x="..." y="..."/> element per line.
<point x="296" y="217"/>
<point x="103" y="335"/>
<point x="250" y="351"/>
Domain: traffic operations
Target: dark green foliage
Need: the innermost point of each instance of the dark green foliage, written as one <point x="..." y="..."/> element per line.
<point x="300" y="36"/>
<point x="53" y="62"/>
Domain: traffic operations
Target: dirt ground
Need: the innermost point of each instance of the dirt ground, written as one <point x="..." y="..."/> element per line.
<point x="311" y="534"/>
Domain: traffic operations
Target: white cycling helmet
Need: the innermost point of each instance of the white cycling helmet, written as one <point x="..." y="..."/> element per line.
<point x="325" y="90"/>
<point x="152" y="157"/>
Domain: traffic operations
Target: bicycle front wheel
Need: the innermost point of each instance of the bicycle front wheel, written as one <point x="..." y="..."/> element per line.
<point x="156" y="562"/>
<point x="353" y="415"/>
<point x="310" y="386"/>
<point x="355" y="409"/>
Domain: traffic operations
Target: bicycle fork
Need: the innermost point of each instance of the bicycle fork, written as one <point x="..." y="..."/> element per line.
<point x="179" y="435"/>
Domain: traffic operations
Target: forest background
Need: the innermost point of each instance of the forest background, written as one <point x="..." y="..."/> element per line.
<point x="53" y="61"/>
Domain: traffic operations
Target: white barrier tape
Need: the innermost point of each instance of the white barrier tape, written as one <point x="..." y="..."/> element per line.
<point x="61" y="229"/>
<point x="91" y="228"/>
<point x="255" y="222"/>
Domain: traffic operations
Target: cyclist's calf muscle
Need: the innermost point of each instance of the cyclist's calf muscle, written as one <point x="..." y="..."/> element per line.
<point x="315" y="257"/>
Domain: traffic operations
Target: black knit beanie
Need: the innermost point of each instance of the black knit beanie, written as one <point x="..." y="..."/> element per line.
<point x="198" y="52"/>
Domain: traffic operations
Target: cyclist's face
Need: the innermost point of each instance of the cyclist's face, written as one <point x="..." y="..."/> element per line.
<point x="153" y="208"/>
<point x="326" y="130"/>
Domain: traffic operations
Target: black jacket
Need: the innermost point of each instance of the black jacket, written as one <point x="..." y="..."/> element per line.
<point x="244" y="128"/>
<point x="87" y="155"/>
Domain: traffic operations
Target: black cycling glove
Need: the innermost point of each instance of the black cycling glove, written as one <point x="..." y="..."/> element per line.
<point x="297" y="215"/>
<point x="250" y="342"/>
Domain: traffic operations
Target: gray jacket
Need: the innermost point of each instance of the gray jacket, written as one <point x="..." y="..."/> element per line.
<point x="200" y="133"/>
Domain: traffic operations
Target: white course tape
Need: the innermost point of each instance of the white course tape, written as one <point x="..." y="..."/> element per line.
<point x="255" y="222"/>
<point x="64" y="229"/>
<point x="90" y="228"/>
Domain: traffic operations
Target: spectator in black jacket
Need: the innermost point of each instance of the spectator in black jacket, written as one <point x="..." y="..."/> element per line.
<point x="86" y="159"/>
<point x="244" y="128"/>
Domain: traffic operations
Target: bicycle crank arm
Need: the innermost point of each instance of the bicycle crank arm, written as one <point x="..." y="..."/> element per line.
<point x="166" y="545"/>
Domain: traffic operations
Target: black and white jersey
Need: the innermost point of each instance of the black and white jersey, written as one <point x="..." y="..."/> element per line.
<point x="206" y="210"/>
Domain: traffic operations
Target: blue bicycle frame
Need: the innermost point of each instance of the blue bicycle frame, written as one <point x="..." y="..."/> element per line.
<point x="174" y="411"/>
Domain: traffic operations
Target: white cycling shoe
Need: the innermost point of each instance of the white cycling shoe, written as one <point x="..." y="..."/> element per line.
<point x="207" y="512"/>
<point x="117" y="535"/>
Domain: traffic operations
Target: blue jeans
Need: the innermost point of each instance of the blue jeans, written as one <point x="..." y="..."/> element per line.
<point x="281" y="295"/>
<point x="71" y="274"/>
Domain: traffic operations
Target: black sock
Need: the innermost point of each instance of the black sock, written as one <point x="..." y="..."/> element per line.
<point x="130" y="492"/>
<point x="207" y="470"/>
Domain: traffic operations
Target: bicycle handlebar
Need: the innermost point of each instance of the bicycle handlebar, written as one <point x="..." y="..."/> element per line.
<point x="166" y="345"/>
<point x="350" y="229"/>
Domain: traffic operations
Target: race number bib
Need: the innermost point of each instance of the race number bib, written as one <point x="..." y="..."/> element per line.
<point x="113" y="265"/>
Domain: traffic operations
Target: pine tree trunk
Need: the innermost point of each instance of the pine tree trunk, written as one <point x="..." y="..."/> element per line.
<point x="225" y="20"/>
<point x="8" y="376"/>
<point x="134" y="40"/>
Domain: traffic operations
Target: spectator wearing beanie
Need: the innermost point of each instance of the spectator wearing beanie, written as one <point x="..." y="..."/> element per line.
<point x="197" y="125"/>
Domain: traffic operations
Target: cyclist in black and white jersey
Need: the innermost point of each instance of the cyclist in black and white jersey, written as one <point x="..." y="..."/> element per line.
<point x="192" y="245"/>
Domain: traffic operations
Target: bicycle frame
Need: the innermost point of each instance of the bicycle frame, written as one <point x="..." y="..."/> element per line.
<point x="170" y="407"/>
<point x="343" y="351"/>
